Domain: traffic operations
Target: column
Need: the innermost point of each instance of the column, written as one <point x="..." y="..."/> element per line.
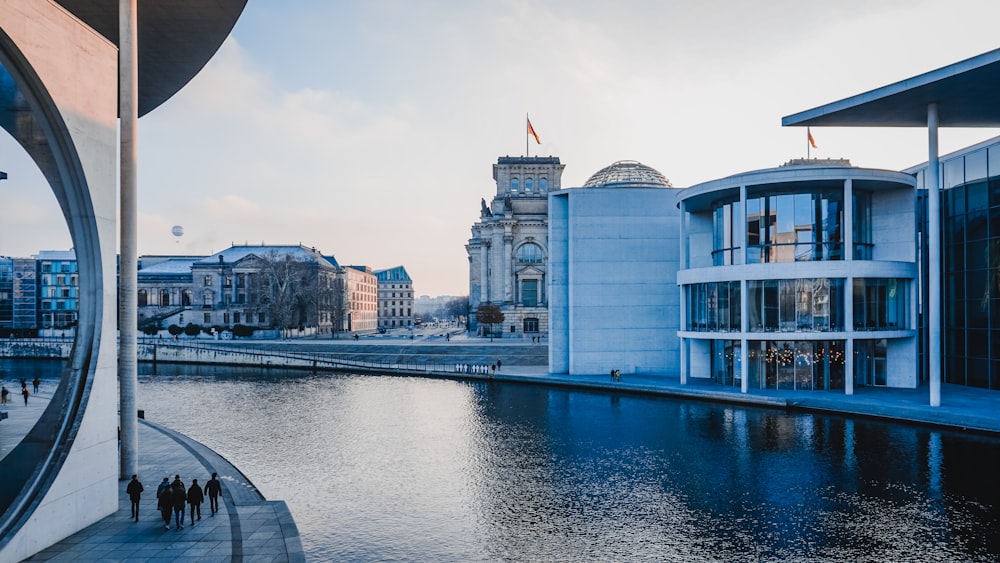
<point x="508" y="274"/>
<point x="128" y="379"/>
<point x="933" y="258"/>
<point x="484" y="271"/>
<point x="849" y="288"/>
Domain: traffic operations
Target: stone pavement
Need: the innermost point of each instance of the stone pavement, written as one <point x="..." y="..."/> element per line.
<point x="246" y="528"/>
<point x="962" y="408"/>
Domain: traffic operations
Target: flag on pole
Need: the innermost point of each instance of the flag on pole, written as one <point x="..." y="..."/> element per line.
<point x="809" y="137"/>
<point x="531" y="131"/>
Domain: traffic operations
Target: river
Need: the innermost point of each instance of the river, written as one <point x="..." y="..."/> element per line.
<point x="393" y="468"/>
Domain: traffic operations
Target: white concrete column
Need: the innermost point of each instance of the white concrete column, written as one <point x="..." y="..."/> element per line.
<point x="849" y="364"/>
<point x="128" y="380"/>
<point x="685" y="362"/>
<point x="744" y="324"/>
<point x="933" y="184"/>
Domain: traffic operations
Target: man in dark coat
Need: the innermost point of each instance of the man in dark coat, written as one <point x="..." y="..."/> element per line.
<point x="179" y="498"/>
<point x="134" y="490"/>
<point x="195" y="498"/>
<point x="165" y="503"/>
<point x="213" y="489"/>
<point x="164" y="486"/>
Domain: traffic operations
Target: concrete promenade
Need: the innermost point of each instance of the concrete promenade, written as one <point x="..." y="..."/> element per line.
<point x="246" y="528"/>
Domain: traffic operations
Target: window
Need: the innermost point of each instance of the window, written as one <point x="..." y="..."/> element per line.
<point x="529" y="253"/>
<point x="528" y="184"/>
<point x="143" y="297"/>
<point x="530" y="325"/>
<point x="186" y="298"/>
<point x="543" y="185"/>
<point x="207" y="318"/>
<point x="164" y="298"/>
<point x="208" y="281"/>
<point x="236" y="317"/>
<point x="529" y="293"/>
<point x="513" y="189"/>
<point x="260" y="318"/>
<point x="795" y="227"/>
<point x="225" y="318"/>
<point x="228" y="281"/>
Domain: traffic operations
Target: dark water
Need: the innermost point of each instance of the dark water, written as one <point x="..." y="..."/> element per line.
<point x="388" y="468"/>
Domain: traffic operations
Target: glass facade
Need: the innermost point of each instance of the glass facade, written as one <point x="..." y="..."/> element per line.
<point x="970" y="255"/>
<point x="725" y="243"/>
<point x="880" y="304"/>
<point x="714" y="307"/>
<point x="805" y="224"/>
<point x="801" y="365"/>
<point x="796" y="305"/>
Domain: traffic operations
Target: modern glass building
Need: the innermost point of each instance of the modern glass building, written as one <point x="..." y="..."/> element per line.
<point x="800" y="277"/>
<point x="970" y="265"/>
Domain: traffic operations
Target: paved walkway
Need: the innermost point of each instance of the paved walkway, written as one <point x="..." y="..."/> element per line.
<point x="962" y="408"/>
<point x="246" y="528"/>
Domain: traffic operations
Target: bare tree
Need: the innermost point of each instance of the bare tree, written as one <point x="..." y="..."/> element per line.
<point x="285" y="290"/>
<point x="489" y="314"/>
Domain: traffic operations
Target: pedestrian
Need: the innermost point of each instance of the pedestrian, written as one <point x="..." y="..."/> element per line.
<point x="213" y="489"/>
<point x="612" y="375"/>
<point x="134" y="490"/>
<point x="493" y="370"/>
<point x="164" y="486"/>
<point x="36" y="382"/>
<point x="179" y="499"/>
<point x="165" y="503"/>
<point x="3" y="395"/>
<point x="195" y="496"/>
<point x="499" y="364"/>
<point x="24" y="391"/>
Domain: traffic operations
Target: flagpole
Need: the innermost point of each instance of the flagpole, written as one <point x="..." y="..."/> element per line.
<point x="808" y="148"/>
<point x="527" y="120"/>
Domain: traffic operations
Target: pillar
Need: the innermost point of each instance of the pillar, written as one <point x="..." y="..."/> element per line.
<point x="933" y="258"/>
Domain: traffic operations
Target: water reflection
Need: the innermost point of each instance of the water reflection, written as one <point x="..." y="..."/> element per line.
<point x="382" y="468"/>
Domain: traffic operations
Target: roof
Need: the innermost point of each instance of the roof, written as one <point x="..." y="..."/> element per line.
<point x="234" y="254"/>
<point x="178" y="266"/>
<point x="528" y="160"/>
<point x="397" y="273"/>
<point x="60" y="255"/>
<point x="965" y="93"/>
<point x="176" y="38"/>
<point x="627" y="174"/>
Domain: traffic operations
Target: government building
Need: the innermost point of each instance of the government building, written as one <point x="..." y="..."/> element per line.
<point x="508" y="251"/>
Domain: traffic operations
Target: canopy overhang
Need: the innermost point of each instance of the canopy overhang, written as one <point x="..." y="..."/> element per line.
<point x="967" y="94"/>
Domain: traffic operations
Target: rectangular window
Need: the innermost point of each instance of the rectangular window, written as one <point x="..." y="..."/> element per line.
<point x="208" y="280"/>
<point x="260" y="318"/>
<point x="207" y="318"/>
<point x="225" y="318"/>
<point x="529" y="293"/>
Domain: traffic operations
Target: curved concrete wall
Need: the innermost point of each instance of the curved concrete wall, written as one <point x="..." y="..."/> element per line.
<point x="59" y="100"/>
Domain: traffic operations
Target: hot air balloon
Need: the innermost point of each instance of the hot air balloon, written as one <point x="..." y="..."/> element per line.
<point x="177" y="231"/>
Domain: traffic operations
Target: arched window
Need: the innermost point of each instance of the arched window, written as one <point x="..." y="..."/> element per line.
<point x="529" y="253"/>
<point x="513" y="188"/>
<point x="528" y="184"/>
<point x="143" y="298"/>
<point x="164" y="298"/>
<point x="186" y="298"/>
<point x="543" y="185"/>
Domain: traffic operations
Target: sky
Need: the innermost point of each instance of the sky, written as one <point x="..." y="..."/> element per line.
<point x="368" y="129"/>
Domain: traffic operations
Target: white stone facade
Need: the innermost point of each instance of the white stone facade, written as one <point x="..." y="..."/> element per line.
<point x="508" y="251"/>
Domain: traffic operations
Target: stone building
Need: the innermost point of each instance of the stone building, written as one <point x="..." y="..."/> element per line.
<point x="395" y="298"/>
<point x="358" y="299"/>
<point x="508" y="251"/>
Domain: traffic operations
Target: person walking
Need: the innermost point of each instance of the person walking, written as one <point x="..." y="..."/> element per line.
<point x="24" y="391"/>
<point x="165" y="503"/>
<point x="195" y="496"/>
<point x="499" y="364"/>
<point x="213" y="489"/>
<point x="164" y="486"/>
<point x="36" y="382"/>
<point x="4" y="393"/>
<point x="179" y="499"/>
<point x="134" y="490"/>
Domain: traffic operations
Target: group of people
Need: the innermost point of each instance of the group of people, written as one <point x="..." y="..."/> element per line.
<point x="174" y="497"/>
<point x="483" y="369"/>
<point x="5" y="394"/>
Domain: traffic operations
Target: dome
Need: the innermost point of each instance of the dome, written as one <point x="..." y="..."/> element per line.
<point x="628" y="174"/>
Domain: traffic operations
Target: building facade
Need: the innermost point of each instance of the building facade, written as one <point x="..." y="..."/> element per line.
<point x="395" y="298"/>
<point x="165" y="292"/>
<point x="58" y="289"/>
<point x="360" y="295"/>
<point x="970" y="268"/>
<point x="508" y="251"/>
<point x="613" y="260"/>
<point x="801" y="277"/>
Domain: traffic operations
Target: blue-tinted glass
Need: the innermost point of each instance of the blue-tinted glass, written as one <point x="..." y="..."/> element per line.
<point x="994" y="192"/>
<point x="977" y="195"/>
<point x="975" y="166"/>
<point x="976" y="255"/>
<point x="954" y="172"/>
<point x="976" y="226"/>
<point x="993" y="165"/>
